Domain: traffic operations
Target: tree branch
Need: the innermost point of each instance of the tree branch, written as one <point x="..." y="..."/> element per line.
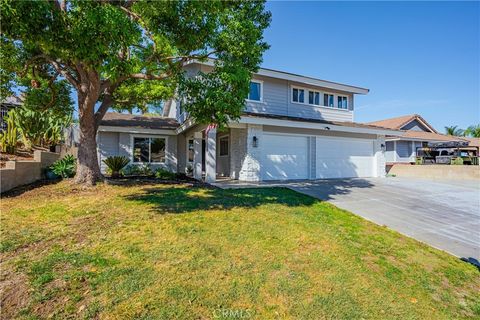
<point x="64" y="72"/>
<point x="145" y="76"/>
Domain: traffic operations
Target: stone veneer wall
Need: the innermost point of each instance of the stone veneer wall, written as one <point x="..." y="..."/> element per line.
<point x="238" y="149"/>
<point x="250" y="170"/>
<point x="17" y="173"/>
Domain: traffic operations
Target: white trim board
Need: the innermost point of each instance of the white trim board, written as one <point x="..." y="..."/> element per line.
<point x="136" y="130"/>
<point x="313" y="125"/>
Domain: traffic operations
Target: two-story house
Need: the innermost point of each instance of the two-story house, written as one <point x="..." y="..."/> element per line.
<point x="293" y="127"/>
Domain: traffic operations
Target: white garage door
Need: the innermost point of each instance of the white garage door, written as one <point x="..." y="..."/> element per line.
<point x="284" y="157"/>
<point x="344" y="158"/>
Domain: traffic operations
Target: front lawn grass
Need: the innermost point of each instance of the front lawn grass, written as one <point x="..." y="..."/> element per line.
<point x="163" y="252"/>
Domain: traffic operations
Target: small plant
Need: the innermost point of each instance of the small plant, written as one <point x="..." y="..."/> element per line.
<point x="457" y="161"/>
<point x="64" y="167"/>
<point x="116" y="164"/>
<point x="135" y="169"/>
<point x="164" y="174"/>
<point x="9" y="138"/>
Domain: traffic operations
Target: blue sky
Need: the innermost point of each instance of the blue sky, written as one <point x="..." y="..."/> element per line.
<point x="415" y="57"/>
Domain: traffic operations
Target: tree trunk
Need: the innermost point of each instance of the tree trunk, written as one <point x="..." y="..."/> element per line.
<point x="88" y="171"/>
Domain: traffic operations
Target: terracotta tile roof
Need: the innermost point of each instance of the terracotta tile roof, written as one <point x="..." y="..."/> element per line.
<point x="429" y="136"/>
<point x="115" y="119"/>
<point x="472" y="142"/>
<point x="398" y="122"/>
<point x="337" y="123"/>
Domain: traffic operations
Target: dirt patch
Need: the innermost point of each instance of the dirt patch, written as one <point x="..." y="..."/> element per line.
<point x="15" y="293"/>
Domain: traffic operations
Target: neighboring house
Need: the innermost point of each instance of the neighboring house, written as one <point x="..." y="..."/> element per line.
<point x="293" y="127"/>
<point x="417" y="133"/>
<point x="5" y="106"/>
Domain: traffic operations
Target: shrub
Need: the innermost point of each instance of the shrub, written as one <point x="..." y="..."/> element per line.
<point x="64" y="167"/>
<point x="164" y="174"/>
<point x="457" y="161"/>
<point x="135" y="169"/>
<point x="419" y="160"/>
<point x="9" y="137"/>
<point x="116" y="164"/>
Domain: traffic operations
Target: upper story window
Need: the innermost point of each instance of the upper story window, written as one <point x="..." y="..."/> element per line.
<point x="149" y="150"/>
<point x="328" y="100"/>
<point x="314" y="98"/>
<point x="342" y="102"/>
<point x="255" y="93"/>
<point x="298" y="95"/>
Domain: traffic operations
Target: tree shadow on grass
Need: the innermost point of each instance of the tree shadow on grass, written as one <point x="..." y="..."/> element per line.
<point x="183" y="199"/>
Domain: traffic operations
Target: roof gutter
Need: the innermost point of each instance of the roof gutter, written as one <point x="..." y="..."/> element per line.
<point x="318" y="126"/>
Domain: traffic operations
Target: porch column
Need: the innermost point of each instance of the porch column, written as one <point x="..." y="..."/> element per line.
<point x="211" y="156"/>
<point x="197" y="155"/>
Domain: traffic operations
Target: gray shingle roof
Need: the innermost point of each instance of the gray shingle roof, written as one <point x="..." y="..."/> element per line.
<point x="115" y="119"/>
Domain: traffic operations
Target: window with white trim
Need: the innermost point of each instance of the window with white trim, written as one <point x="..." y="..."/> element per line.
<point x="255" y="93"/>
<point x="149" y="150"/>
<point x="342" y="102"/>
<point x="298" y="95"/>
<point x="328" y="100"/>
<point x="314" y="97"/>
<point x="223" y="146"/>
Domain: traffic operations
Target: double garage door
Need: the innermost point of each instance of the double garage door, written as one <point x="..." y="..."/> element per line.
<point x="288" y="157"/>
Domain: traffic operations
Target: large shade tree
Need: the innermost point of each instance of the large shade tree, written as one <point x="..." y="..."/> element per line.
<point x="130" y="54"/>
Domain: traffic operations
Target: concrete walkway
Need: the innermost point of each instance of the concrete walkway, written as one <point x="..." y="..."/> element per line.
<point x="443" y="214"/>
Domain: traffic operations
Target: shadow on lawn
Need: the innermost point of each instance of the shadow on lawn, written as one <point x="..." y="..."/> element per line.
<point x="186" y="199"/>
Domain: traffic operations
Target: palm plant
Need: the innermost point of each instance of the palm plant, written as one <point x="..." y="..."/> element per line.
<point x="454" y="131"/>
<point x="473" y="131"/>
<point x="116" y="164"/>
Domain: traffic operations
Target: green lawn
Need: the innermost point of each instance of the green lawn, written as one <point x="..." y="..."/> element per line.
<point x="162" y="252"/>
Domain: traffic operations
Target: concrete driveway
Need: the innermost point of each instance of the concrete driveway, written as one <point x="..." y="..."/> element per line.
<point x="443" y="214"/>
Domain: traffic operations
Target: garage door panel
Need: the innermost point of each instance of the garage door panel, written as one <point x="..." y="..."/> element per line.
<point x="344" y="158"/>
<point x="285" y="157"/>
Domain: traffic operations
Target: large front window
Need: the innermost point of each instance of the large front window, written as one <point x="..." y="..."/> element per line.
<point x="255" y="93"/>
<point x="149" y="150"/>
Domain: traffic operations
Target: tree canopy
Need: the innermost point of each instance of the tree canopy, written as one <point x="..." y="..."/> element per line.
<point x="130" y="54"/>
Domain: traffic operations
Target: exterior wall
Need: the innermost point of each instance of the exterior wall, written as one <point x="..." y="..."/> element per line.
<point x="17" y="173"/>
<point x="277" y="100"/>
<point x="437" y="171"/>
<point x="404" y="150"/>
<point x="390" y="151"/>
<point x="415" y="126"/>
<point x="120" y="144"/>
